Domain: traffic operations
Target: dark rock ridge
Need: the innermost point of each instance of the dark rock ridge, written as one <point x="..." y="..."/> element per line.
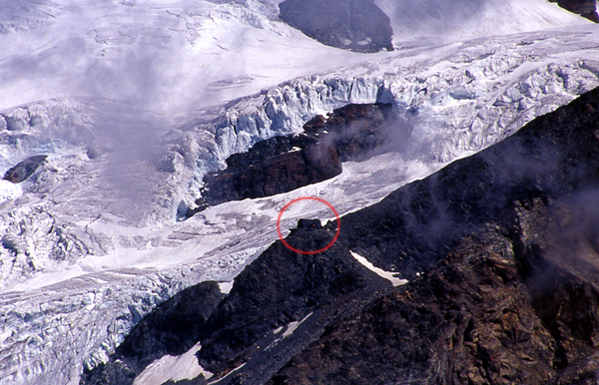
<point x="356" y="25"/>
<point x="270" y="167"/>
<point x="24" y="169"/>
<point x="169" y="329"/>
<point x="309" y="224"/>
<point x="278" y="288"/>
<point x="502" y="253"/>
<point x="495" y="310"/>
<point x="284" y="163"/>
<point x="585" y="8"/>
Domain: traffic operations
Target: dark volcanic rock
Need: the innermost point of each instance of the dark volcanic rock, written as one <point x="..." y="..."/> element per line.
<point x="357" y="25"/>
<point x="359" y="131"/>
<point x="279" y="287"/>
<point x="552" y="156"/>
<point x="585" y="8"/>
<point x="513" y="298"/>
<point x="499" y="308"/>
<point x="24" y="169"/>
<point x="172" y="328"/>
<point x="309" y="224"/>
<point x="247" y="177"/>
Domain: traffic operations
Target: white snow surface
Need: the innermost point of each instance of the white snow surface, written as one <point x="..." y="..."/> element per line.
<point x="293" y="325"/>
<point x="134" y="102"/>
<point x="169" y="368"/>
<point x="382" y="273"/>
<point x="449" y="21"/>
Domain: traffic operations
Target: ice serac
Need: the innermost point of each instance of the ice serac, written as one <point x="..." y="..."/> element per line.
<point x="283" y="163"/>
<point x="456" y="101"/>
<point x="500" y="250"/>
<point x="357" y="25"/>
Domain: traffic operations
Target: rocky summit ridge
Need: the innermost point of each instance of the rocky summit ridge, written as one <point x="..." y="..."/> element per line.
<point x="501" y="253"/>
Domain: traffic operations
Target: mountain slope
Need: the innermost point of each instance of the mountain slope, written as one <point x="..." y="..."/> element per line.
<point x="483" y="259"/>
<point x="110" y="273"/>
<point x="441" y="20"/>
<point x="357" y="25"/>
<point x="133" y="103"/>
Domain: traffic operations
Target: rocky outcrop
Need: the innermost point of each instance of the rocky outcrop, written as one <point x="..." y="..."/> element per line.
<point x="169" y="329"/>
<point x="357" y="25"/>
<point x="502" y="253"/>
<point x="359" y="131"/>
<point x="279" y="288"/>
<point x="478" y="317"/>
<point x="284" y="163"/>
<point x="585" y="8"/>
<point x="24" y="169"/>
<point x="273" y="166"/>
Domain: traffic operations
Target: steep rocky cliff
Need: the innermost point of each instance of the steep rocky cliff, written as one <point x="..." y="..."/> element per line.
<point x="501" y="250"/>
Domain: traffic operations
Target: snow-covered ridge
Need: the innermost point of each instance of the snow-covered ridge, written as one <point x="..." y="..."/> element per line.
<point x="442" y="20"/>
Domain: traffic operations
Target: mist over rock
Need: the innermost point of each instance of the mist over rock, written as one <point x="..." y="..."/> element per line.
<point x="356" y="25"/>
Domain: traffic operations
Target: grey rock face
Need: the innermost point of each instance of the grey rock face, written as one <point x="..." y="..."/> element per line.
<point x="24" y="169"/>
<point x="585" y="8"/>
<point x="356" y="25"/>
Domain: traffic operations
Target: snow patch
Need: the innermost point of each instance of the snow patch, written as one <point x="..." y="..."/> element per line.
<point x="434" y="21"/>
<point x="169" y="368"/>
<point x="225" y="287"/>
<point x="228" y="374"/>
<point x="382" y="273"/>
<point x="292" y="326"/>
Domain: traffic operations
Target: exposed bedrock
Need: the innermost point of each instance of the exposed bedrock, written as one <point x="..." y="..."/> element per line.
<point x="280" y="287"/>
<point x="24" y="169"/>
<point x="494" y="310"/>
<point x="169" y="329"/>
<point x="356" y="25"/>
<point x="284" y="163"/>
<point x="585" y="8"/>
<point x="501" y="250"/>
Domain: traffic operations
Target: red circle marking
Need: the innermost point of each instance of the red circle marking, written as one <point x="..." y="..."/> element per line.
<point x="302" y="251"/>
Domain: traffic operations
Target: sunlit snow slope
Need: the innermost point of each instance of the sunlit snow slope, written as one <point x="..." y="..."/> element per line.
<point x="135" y="101"/>
<point x="447" y="20"/>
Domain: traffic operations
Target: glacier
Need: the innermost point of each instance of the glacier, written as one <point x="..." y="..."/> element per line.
<point x="91" y="242"/>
